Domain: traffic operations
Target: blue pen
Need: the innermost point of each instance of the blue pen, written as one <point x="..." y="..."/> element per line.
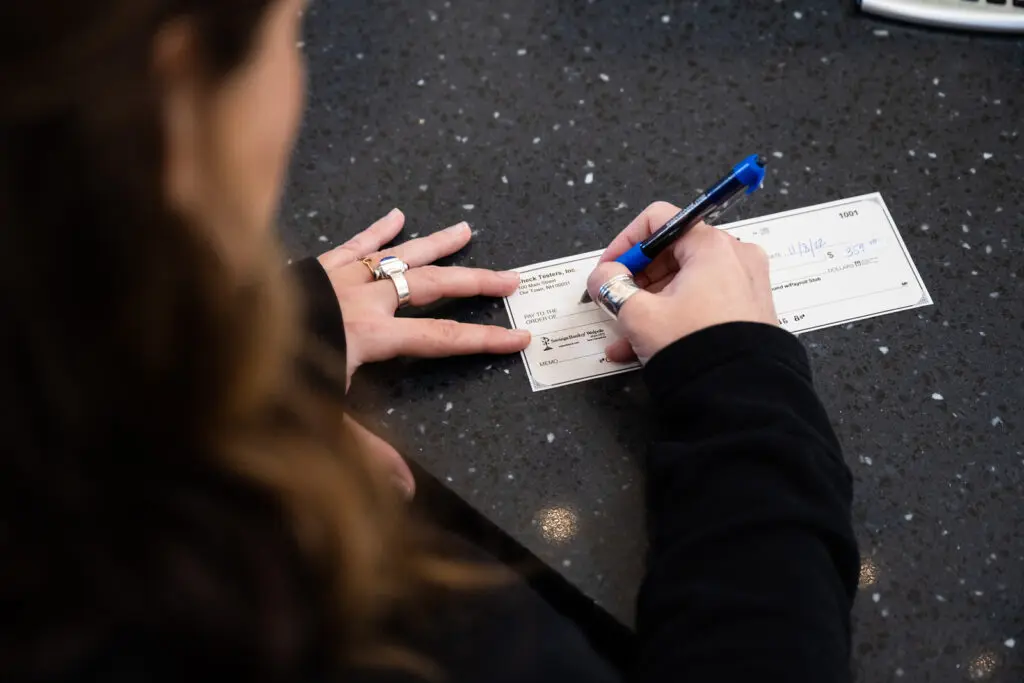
<point x="744" y="179"/>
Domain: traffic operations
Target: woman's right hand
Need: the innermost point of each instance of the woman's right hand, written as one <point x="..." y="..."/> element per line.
<point x="706" y="278"/>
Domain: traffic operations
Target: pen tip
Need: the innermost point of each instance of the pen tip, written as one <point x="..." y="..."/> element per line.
<point x="761" y="161"/>
<point x="585" y="299"/>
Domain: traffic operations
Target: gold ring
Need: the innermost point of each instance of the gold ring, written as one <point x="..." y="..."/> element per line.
<point x="371" y="266"/>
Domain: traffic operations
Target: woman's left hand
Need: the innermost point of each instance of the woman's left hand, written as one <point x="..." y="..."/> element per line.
<point x="373" y="333"/>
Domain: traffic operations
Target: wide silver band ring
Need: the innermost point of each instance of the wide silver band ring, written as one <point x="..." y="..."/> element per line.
<point x="394" y="268"/>
<point x="614" y="294"/>
<point x="401" y="289"/>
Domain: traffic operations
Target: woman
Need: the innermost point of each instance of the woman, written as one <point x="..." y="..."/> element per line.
<point x="183" y="497"/>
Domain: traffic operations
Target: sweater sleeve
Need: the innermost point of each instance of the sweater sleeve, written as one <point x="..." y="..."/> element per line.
<point x="323" y="314"/>
<point x="753" y="564"/>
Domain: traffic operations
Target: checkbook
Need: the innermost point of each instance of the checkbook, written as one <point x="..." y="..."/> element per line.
<point x="830" y="264"/>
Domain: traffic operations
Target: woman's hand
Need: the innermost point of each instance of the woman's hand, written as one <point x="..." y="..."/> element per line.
<point x="706" y="278"/>
<point x="373" y="333"/>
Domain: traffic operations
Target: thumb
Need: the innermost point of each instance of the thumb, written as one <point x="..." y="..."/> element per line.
<point x="383" y="455"/>
<point x="605" y="272"/>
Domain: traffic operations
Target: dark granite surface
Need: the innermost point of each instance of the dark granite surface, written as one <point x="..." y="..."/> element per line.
<point x="495" y="111"/>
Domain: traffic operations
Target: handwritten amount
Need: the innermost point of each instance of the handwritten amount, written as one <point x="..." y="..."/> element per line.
<point x="816" y="248"/>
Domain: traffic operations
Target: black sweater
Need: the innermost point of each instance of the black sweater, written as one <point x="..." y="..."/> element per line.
<point x="752" y="567"/>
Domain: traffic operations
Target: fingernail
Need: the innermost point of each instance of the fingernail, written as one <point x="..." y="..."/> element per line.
<point x="522" y="335"/>
<point x="458" y="227"/>
<point x="509" y="276"/>
<point x="402" y="485"/>
<point x="394" y="212"/>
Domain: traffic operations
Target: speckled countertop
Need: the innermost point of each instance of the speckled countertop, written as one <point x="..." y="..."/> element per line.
<point x="494" y="112"/>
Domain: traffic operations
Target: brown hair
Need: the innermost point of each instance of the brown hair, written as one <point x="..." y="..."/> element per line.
<point x="168" y="476"/>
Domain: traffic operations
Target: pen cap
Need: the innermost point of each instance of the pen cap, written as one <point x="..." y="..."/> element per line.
<point x="751" y="172"/>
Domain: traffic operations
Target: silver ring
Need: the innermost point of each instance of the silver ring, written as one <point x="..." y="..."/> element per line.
<point x="614" y="294"/>
<point x="387" y="266"/>
<point x="394" y="268"/>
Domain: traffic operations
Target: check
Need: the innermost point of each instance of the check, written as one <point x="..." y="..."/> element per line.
<point x="830" y="264"/>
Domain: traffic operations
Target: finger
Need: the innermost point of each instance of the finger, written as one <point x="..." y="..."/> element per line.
<point x="425" y="250"/>
<point x="666" y="263"/>
<point x="415" y="252"/>
<point x="432" y="338"/>
<point x="366" y="242"/>
<point x="605" y="272"/>
<point x="431" y="283"/>
<point x="620" y="352"/>
<point x="384" y="455"/>
<point x="642" y="227"/>
<point x="351" y="274"/>
<point x="663" y="266"/>
<point x="701" y="236"/>
<point x="658" y="286"/>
